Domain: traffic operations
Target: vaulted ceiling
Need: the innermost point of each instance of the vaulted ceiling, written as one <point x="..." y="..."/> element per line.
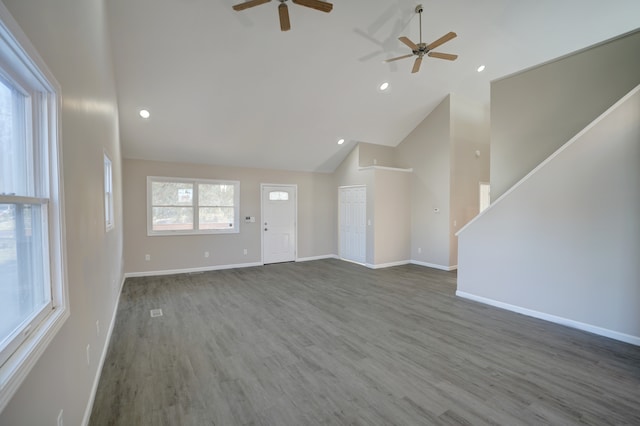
<point x="229" y="88"/>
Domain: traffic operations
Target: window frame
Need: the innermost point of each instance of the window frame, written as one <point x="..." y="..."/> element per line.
<point x="195" y="206"/>
<point x="23" y="68"/>
<point x="109" y="222"/>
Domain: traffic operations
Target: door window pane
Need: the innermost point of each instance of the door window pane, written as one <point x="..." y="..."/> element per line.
<point x="278" y="196"/>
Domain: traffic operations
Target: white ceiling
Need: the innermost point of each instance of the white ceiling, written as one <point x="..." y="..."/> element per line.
<point x="229" y="88"/>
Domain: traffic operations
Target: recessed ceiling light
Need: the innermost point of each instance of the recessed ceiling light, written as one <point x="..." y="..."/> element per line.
<point x="481" y="68"/>
<point x="340" y="141"/>
<point x="144" y="113"/>
<point x="384" y="86"/>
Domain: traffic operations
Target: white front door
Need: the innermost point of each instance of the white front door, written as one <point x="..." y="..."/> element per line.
<point x="353" y="223"/>
<point x="278" y="223"/>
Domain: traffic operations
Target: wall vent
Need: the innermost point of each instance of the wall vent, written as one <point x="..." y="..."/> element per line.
<point x="155" y="313"/>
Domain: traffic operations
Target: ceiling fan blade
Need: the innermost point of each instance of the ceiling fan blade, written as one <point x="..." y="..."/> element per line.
<point x="322" y="6"/>
<point x="283" y="11"/>
<point x="409" y="43"/>
<point x="445" y="38"/>
<point x="416" y="65"/>
<point x="399" y="57"/>
<point x="447" y="56"/>
<point x="250" y="3"/>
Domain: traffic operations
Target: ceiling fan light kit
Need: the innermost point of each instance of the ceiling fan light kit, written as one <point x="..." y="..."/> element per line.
<point x="421" y="49"/>
<point x="283" y="9"/>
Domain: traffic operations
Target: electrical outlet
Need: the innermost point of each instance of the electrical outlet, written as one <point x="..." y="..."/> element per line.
<point x="60" y="418"/>
<point x="98" y="328"/>
<point x="245" y="251"/>
<point x="88" y="355"/>
<point x="419" y="250"/>
<point x="206" y="254"/>
<point x="147" y="257"/>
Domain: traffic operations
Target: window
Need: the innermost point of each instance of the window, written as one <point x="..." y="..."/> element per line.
<point x="108" y="193"/>
<point x="33" y="294"/>
<point x="192" y="206"/>
<point x="278" y="196"/>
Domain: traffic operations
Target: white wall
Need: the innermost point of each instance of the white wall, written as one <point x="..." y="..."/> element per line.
<point x="71" y="37"/>
<point x="564" y="244"/>
<point x="317" y="206"/>
<point x="536" y="111"/>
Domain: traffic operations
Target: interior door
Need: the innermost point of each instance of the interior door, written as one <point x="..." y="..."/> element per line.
<point x="353" y="220"/>
<point x="278" y="223"/>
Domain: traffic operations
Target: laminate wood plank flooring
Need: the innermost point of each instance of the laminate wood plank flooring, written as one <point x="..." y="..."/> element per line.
<point x="333" y="343"/>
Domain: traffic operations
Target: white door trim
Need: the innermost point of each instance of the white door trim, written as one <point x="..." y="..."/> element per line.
<point x="295" y="224"/>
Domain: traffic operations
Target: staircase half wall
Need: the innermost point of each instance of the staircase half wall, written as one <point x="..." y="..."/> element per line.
<point x="563" y="244"/>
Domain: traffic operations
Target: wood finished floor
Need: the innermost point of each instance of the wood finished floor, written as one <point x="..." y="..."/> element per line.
<point x="333" y="343"/>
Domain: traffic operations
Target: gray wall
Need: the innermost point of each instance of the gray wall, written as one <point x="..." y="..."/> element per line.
<point x="564" y="244"/>
<point x="380" y="155"/>
<point x="316" y="218"/>
<point x="392" y="217"/>
<point x="470" y="151"/>
<point x="71" y="37"/>
<point x="427" y="150"/>
<point x="536" y="111"/>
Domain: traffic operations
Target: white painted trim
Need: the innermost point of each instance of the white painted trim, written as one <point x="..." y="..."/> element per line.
<point x="554" y="155"/>
<point x="295" y="223"/>
<point x="103" y="357"/>
<point x="324" y="256"/>
<point x="392" y="169"/>
<point x="433" y="265"/>
<point x="634" y="340"/>
<point x="386" y="265"/>
<point x="190" y="270"/>
<point x="353" y="261"/>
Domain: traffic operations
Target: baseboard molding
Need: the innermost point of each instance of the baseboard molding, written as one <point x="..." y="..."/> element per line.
<point x="103" y="357"/>
<point x="433" y="265"/>
<point x="627" y="338"/>
<point x="324" y="256"/>
<point x="386" y="265"/>
<point x="190" y="270"/>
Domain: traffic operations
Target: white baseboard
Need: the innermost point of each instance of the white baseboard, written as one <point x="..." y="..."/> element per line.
<point x="324" y="256"/>
<point x="190" y="270"/>
<point x="386" y="265"/>
<point x="433" y="265"/>
<point x="103" y="357"/>
<point x="627" y="338"/>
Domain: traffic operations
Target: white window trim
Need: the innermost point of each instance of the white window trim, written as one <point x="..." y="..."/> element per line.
<point x="109" y="221"/>
<point x="195" y="231"/>
<point x="23" y="56"/>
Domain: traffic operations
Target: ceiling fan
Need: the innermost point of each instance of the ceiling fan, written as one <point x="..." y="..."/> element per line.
<point x="422" y="49"/>
<point x="283" y="10"/>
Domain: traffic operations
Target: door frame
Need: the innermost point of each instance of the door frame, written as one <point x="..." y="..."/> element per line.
<point x="366" y="223"/>
<point x="295" y="220"/>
